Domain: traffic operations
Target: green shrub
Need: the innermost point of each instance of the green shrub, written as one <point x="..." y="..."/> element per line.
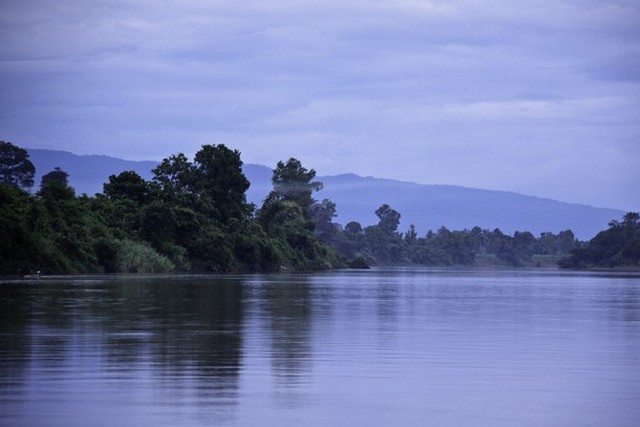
<point x="136" y="257"/>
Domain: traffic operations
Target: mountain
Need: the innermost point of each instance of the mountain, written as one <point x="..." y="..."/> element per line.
<point x="431" y="206"/>
<point x="425" y="206"/>
<point x="86" y="173"/>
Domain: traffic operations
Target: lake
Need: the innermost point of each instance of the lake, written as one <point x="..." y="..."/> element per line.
<point x="401" y="346"/>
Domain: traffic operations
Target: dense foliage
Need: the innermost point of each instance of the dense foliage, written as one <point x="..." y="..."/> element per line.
<point x="192" y="216"/>
<point x="16" y="169"/>
<point x="618" y="246"/>
<point x="384" y="244"/>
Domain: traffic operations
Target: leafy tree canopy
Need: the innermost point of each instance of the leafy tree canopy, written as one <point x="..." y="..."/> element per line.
<point x="389" y="218"/>
<point x="127" y="185"/>
<point x="618" y="246"/>
<point x="174" y="176"/>
<point x="293" y="182"/>
<point x="54" y="185"/>
<point x="218" y="174"/>
<point x="15" y="167"/>
<point x="353" y="227"/>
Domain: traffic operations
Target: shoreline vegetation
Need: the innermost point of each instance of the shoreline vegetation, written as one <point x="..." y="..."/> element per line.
<point x="192" y="216"/>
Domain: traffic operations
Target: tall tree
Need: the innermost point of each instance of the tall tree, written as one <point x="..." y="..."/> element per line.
<point x="411" y="235"/>
<point x="127" y="185"/>
<point x="388" y="218"/>
<point x="16" y="169"/>
<point x="322" y="214"/>
<point x="293" y="182"/>
<point x="219" y="176"/>
<point x="55" y="185"/>
<point x="174" y="176"/>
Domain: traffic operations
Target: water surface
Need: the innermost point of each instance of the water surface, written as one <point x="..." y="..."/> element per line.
<point x="379" y="347"/>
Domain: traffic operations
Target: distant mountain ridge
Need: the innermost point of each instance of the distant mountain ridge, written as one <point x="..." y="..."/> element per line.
<point x="425" y="206"/>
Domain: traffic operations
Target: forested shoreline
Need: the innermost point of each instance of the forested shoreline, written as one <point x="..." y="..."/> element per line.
<point x="193" y="216"/>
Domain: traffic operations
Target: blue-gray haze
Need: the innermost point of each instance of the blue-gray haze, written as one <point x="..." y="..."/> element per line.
<point x="536" y="96"/>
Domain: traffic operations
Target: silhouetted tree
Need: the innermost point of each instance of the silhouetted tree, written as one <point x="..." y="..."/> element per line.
<point x="55" y="186"/>
<point x="127" y="185"/>
<point x="618" y="246"/>
<point x="286" y="215"/>
<point x="293" y="182"/>
<point x="174" y="176"/>
<point x="15" y="167"/>
<point x="353" y="227"/>
<point x="411" y="236"/>
<point x="388" y="218"/>
<point x="322" y="214"/>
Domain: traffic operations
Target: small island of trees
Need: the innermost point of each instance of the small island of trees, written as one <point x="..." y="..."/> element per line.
<point x="194" y="216"/>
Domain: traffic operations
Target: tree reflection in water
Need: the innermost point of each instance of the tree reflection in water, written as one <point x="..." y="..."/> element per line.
<point x="183" y="336"/>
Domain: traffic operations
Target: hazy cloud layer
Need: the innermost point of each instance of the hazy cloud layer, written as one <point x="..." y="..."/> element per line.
<point x="540" y="97"/>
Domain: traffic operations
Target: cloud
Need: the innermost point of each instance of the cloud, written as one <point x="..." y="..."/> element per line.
<point x="583" y="109"/>
<point x="536" y="96"/>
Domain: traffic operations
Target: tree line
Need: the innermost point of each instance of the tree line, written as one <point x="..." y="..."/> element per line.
<point x="618" y="246"/>
<point x="192" y="215"/>
<point x="383" y="243"/>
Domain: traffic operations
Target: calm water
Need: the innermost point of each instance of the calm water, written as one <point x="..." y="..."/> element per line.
<point x="381" y="347"/>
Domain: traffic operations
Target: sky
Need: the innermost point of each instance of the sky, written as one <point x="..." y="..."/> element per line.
<point x="540" y="97"/>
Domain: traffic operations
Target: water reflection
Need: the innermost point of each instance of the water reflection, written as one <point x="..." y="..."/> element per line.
<point x="287" y="308"/>
<point x="15" y="341"/>
<point x="368" y="348"/>
<point x="186" y="337"/>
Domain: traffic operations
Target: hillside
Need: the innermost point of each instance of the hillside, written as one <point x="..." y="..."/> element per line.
<point x="426" y="206"/>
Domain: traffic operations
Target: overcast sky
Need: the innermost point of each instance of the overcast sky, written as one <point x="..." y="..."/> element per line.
<point x="539" y="97"/>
